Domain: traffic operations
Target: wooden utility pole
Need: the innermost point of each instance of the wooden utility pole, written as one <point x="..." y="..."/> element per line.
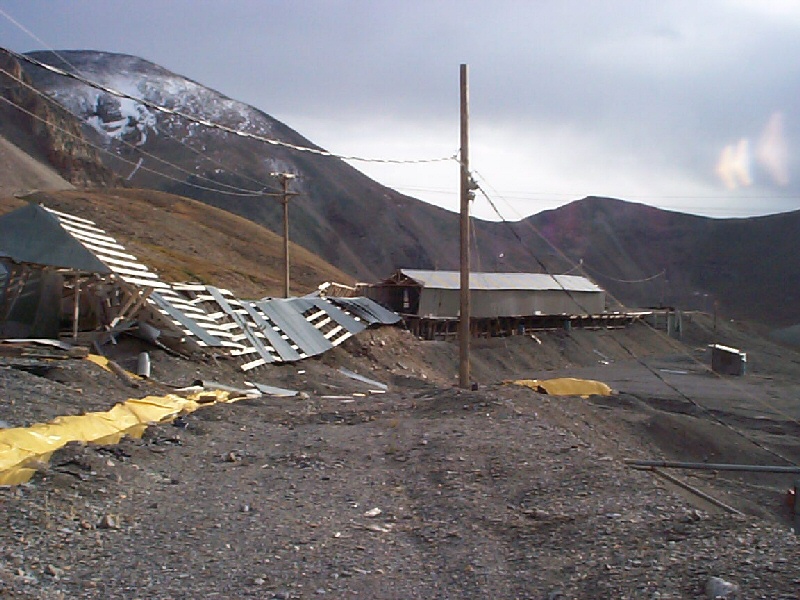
<point x="284" y="196"/>
<point x="464" y="319"/>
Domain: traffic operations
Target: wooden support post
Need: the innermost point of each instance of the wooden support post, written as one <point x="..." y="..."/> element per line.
<point x="76" y="307"/>
<point x="284" y="196"/>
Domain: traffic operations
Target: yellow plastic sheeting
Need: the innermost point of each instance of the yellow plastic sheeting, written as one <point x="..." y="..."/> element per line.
<point x="567" y="386"/>
<point x="24" y="449"/>
<point x="98" y="360"/>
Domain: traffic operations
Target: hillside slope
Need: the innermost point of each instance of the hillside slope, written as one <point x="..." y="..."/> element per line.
<point x="20" y="172"/>
<point x="340" y="213"/>
<point x="185" y="240"/>
<point x="647" y="256"/>
<point x="46" y="131"/>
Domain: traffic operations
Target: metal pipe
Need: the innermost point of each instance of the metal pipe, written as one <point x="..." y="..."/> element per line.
<point x="697" y="492"/>
<point x="712" y="466"/>
<point x="143" y="365"/>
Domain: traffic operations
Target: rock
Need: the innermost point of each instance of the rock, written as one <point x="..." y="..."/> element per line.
<point x="718" y="588"/>
<point x="108" y="522"/>
<point x="54" y="571"/>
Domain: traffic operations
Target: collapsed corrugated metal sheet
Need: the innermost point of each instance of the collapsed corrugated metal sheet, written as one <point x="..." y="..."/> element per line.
<point x="257" y="333"/>
<point x="367" y="310"/>
<point x="170" y="311"/>
<point x="33" y="234"/>
<point x="451" y="280"/>
<point x="282" y="329"/>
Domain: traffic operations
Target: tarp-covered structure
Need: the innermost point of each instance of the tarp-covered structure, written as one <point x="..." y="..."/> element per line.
<point x="436" y="294"/>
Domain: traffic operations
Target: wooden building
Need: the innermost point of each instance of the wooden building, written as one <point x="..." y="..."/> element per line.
<point x="436" y="294"/>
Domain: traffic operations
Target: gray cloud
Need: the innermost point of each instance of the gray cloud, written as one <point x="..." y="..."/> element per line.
<point x="636" y="99"/>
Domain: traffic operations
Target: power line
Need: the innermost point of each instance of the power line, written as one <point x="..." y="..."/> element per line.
<point x="213" y="125"/>
<point x="106" y="151"/>
<point x="608" y="277"/>
<point x="237" y="191"/>
<point x="163" y="132"/>
<point x="136" y="148"/>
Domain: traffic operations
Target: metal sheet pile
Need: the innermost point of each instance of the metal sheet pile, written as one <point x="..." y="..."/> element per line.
<point x="271" y="330"/>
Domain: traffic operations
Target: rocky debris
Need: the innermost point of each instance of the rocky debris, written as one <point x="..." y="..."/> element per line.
<point x="424" y="491"/>
<point x="719" y="589"/>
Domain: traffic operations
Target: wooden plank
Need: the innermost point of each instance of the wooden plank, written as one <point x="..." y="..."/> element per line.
<point x="103" y="253"/>
<point x="90" y="235"/>
<point x="194" y="328"/>
<point x="134" y="303"/>
<point x="334" y="331"/>
<point x="130" y="273"/>
<point x="127" y="264"/>
<point x="144" y="282"/>
<point x="65" y="215"/>
<point x="252" y="365"/>
<point x="314" y="316"/>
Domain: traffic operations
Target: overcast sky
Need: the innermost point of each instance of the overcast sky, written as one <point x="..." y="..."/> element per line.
<point x="686" y="105"/>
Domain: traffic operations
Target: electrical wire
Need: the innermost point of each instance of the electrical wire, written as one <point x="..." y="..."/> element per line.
<point x="163" y="133"/>
<point x="614" y="279"/>
<point x="213" y="125"/>
<point x="106" y="151"/>
<point x="235" y="190"/>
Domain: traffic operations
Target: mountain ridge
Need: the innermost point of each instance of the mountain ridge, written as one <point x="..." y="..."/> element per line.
<point x="643" y="255"/>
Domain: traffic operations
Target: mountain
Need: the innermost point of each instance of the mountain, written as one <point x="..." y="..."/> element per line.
<point x="34" y="128"/>
<point x="642" y="255"/>
<point x="749" y="267"/>
<point x="361" y="226"/>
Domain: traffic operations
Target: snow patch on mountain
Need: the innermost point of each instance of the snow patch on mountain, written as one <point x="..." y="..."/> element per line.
<point x="131" y="121"/>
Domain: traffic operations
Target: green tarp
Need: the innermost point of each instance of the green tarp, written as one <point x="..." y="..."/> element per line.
<point x="32" y="235"/>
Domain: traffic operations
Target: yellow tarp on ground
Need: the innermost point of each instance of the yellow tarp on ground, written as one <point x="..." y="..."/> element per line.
<point x="566" y="386"/>
<point x="23" y="449"/>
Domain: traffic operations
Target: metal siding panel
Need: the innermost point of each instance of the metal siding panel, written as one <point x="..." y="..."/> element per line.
<point x="254" y="341"/>
<point x="368" y="310"/>
<point x="341" y="317"/>
<point x="439" y="303"/>
<point x="304" y="335"/>
<point x="281" y="346"/>
<point x="187" y="322"/>
<point x="510" y="303"/>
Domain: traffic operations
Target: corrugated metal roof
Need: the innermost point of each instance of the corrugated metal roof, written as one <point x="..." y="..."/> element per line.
<point x="451" y="280"/>
<point x="32" y="234"/>
<point x="367" y="310"/>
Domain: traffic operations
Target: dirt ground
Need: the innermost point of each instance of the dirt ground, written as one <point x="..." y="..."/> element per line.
<point x="426" y="490"/>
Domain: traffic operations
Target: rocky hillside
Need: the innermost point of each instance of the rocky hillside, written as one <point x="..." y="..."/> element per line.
<point x="646" y="256"/>
<point x="45" y="131"/>
<point x="185" y="240"/>
<point x="340" y="213"/>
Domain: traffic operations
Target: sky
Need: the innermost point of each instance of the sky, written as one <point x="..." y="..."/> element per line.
<point x="684" y="105"/>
